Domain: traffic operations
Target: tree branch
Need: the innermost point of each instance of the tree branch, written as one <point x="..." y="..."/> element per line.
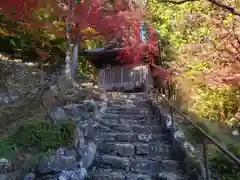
<point x="177" y="2"/>
<point x="215" y="2"/>
<point x="224" y="6"/>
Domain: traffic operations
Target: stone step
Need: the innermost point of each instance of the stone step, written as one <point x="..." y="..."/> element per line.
<point x="134" y="109"/>
<point x="125" y="106"/>
<point x="131" y="145"/>
<point x="131" y="122"/>
<point x="140" y="122"/>
<point x="120" y="107"/>
<point x="147" y="129"/>
<point x="127" y="109"/>
<point x="130" y="137"/>
<point x="136" y="97"/>
<point x="137" y="165"/>
<point x="124" y="116"/>
<point x="149" y="150"/>
<point x="118" y="175"/>
<point x="126" y="102"/>
<point x="128" y="112"/>
<point x="171" y="176"/>
<point x="104" y="174"/>
<point x="128" y="95"/>
<point x="118" y="103"/>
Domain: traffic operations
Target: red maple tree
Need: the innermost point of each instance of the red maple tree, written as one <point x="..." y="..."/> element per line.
<point x="118" y="20"/>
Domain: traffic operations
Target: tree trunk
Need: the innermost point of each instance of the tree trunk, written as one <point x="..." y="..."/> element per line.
<point x="68" y="66"/>
<point x="75" y="57"/>
<point x="74" y="61"/>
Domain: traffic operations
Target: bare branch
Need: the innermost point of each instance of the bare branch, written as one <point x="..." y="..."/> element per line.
<point x="234" y="31"/>
<point x="215" y="2"/>
<point x="224" y="6"/>
<point x="177" y="2"/>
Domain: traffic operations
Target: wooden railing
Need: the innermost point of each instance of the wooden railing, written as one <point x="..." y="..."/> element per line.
<point x="206" y="137"/>
<point x="169" y="92"/>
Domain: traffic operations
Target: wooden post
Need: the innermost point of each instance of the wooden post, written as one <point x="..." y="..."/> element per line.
<point x="121" y="75"/>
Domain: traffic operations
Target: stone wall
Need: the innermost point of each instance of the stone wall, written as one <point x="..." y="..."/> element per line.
<point x="20" y="81"/>
<point x="184" y="151"/>
<point x="81" y="102"/>
<point x="17" y="80"/>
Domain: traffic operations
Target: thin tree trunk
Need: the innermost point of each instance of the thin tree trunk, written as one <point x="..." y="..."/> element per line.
<point x="68" y="68"/>
<point x="75" y="57"/>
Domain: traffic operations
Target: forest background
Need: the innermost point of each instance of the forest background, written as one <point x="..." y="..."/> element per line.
<point x="200" y="39"/>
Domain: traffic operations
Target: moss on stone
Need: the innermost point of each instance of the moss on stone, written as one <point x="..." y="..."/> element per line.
<point x="40" y="136"/>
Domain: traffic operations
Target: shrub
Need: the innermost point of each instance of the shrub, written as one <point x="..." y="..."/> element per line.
<point x="42" y="136"/>
<point x="217" y="104"/>
<point x="227" y="169"/>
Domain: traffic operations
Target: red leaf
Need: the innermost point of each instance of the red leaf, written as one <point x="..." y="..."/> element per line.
<point x="110" y="23"/>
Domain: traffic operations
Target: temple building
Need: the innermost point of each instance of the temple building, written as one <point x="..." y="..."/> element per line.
<point x="114" y="75"/>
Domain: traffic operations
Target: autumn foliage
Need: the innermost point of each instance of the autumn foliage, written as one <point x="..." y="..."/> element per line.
<point x="117" y="20"/>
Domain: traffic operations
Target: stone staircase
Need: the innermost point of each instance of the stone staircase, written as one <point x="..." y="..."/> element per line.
<point x="132" y="144"/>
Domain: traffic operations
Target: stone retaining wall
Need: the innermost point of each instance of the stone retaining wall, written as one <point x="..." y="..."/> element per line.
<point x="184" y="151"/>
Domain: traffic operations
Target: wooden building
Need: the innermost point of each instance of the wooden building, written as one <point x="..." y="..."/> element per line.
<point x="113" y="75"/>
